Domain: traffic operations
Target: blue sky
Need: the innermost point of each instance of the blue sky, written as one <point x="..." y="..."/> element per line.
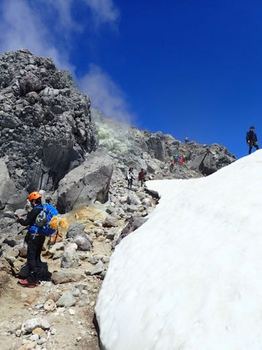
<point x="186" y="67"/>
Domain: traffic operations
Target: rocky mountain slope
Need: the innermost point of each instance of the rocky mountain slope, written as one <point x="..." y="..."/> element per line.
<point x="51" y="139"/>
<point x="154" y="152"/>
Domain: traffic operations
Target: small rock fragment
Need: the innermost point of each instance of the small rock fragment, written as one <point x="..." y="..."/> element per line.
<point x="66" y="300"/>
<point x="29" y="325"/>
<point x="50" y="305"/>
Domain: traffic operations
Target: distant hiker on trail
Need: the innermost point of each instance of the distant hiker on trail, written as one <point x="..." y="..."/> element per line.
<point x="176" y="158"/>
<point x="37" y="221"/>
<point x="142" y="177"/>
<point x="251" y="139"/>
<point x="171" y="166"/>
<point x="181" y="160"/>
<point x="130" y="178"/>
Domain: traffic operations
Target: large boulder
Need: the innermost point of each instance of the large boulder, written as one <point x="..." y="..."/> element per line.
<point x="156" y="147"/>
<point x="211" y="159"/>
<point x="16" y="200"/>
<point x="7" y="186"/>
<point x="75" y="229"/>
<point x="133" y="224"/>
<point x="66" y="276"/>
<point x="69" y="258"/>
<point x="88" y="182"/>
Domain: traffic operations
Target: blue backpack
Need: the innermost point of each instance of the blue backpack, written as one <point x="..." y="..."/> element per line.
<point x="43" y="219"/>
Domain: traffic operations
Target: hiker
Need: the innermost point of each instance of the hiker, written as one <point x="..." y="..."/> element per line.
<point x="171" y="166"/>
<point x="176" y="158"/>
<point x="130" y="178"/>
<point x="251" y="139"/>
<point x="37" y="221"/>
<point x="181" y="160"/>
<point x="142" y="177"/>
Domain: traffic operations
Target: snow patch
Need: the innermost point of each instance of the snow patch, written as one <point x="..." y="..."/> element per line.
<point x="189" y="278"/>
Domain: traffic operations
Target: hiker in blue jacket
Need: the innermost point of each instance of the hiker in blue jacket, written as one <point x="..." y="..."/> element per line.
<point x="37" y="221"/>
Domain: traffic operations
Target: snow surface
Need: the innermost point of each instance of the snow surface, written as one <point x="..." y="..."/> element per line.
<point x="191" y="277"/>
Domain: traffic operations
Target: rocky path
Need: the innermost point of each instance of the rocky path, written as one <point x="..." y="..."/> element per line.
<point x="59" y="314"/>
<point x="67" y="327"/>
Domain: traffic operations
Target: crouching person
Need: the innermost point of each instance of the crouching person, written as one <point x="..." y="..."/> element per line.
<point x="37" y="220"/>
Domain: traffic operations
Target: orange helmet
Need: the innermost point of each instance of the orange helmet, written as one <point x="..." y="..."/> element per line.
<point x="33" y="196"/>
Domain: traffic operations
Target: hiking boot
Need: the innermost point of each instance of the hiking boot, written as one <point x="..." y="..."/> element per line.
<point x="26" y="283"/>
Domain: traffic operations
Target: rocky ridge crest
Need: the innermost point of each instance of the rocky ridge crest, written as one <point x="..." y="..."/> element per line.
<point x="155" y="151"/>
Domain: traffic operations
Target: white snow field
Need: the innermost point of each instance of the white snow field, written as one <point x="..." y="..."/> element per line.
<point x="191" y="277"/>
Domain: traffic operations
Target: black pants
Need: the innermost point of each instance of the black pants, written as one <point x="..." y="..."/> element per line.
<point x="34" y="248"/>
<point x="251" y="145"/>
<point x="129" y="183"/>
<point x="142" y="181"/>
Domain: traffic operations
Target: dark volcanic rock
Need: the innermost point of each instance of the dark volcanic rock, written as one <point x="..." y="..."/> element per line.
<point x="45" y="122"/>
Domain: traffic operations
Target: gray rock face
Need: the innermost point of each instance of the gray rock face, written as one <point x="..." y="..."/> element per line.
<point x="7" y="186"/>
<point x="16" y="200"/>
<point x="156" y="147"/>
<point x="88" y="182"/>
<point x="45" y="122"/>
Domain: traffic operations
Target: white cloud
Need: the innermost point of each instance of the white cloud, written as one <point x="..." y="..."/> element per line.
<point x="63" y="10"/>
<point x="105" y="94"/>
<point x="22" y="27"/>
<point x="104" y="11"/>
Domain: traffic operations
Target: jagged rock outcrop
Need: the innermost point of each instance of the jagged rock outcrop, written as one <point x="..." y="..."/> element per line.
<point x="45" y="122"/>
<point x="7" y="186"/>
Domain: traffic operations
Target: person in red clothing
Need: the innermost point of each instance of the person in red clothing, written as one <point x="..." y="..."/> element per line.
<point x="142" y="177"/>
<point x="181" y="160"/>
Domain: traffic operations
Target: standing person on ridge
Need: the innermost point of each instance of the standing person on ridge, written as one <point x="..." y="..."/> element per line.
<point x="251" y="139"/>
